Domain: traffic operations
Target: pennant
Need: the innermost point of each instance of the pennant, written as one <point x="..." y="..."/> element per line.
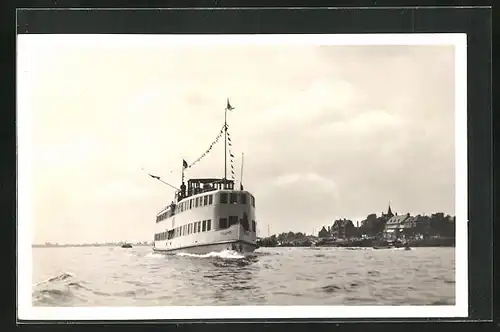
<point x="228" y="106"/>
<point x="184" y="163"/>
<point x="154" y="176"/>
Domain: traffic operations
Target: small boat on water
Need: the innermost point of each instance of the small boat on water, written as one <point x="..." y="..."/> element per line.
<point x="383" y="247"/>
<point x="126" y="245"/>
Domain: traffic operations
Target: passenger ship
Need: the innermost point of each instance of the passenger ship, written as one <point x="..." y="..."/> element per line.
<point x="208" y="215"/>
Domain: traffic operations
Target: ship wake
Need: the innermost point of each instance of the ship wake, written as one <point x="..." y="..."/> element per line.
<point x="225" y="254"/>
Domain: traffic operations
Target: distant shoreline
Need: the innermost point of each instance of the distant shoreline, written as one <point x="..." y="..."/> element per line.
<point x="364" y="243"/>
<point x="85" y="245"/>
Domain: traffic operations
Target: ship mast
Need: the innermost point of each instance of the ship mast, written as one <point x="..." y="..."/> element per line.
<point x="225" y="143"/>
<point x="228" y="108"/>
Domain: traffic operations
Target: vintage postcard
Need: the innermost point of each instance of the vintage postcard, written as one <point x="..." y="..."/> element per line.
<point x="242" y="176"/>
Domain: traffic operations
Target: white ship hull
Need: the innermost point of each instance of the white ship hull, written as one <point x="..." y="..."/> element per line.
<point x="211" y="226"/>
<point x="239" y="246"/>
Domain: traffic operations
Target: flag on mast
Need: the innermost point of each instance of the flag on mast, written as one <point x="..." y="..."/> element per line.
<point x="154" y="176"/>
<point x="229" y="107"/>
<point x="184" y="163"/>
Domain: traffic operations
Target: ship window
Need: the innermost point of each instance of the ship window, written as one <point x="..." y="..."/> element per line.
<point x="233" y="220"/>
<point x="209" y="222"/>
<point x="189" y="228"/>
<point x="191" y="203"/>
<point x="199" y="226"/>
<point x="253" y="201"/>
<point x="223" y="198"/>
<point x="204" y="226"/>
<point x="223" y="223"/>
<point x="195" y="229"/>
<point x="210" y="199"/>
<point x="197" y="202"/>
<point x="243" y="198"/>
<point x="205" y="200"/>
<point x="233" y="198"/>
<point x="254" y="226"/>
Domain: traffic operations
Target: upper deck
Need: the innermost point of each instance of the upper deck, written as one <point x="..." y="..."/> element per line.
<point x="203" y="192"/>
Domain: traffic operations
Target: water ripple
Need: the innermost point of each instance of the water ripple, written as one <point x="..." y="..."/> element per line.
<point x="272" y="276"/>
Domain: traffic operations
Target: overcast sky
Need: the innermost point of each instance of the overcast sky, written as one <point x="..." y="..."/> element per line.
<point x="327" y="131"/>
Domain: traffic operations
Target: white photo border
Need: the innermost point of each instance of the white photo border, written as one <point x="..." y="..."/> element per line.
<point x="26" y="310"/>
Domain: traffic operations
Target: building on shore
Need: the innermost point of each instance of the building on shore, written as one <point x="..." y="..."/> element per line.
<point x="343" y="229"/>
<point x="399" y="227"/>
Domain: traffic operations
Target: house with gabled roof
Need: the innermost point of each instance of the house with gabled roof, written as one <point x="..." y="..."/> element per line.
<point x="343" y="228"/>
<point x="399" y="226"/>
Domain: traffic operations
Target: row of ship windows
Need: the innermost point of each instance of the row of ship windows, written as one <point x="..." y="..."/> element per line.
<point x="198" y="227"/>
<point x="224" y="198"/>
<point x="194" y="227"/>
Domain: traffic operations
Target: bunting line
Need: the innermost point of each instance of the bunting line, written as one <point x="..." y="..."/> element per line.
<point x="209" y="149"/>
<point x="231" y="155"/>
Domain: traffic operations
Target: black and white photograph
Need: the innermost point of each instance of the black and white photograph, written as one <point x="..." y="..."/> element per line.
<point x="241" y="176"/>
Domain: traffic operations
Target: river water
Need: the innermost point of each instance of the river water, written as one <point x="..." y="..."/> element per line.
<point x="112" y="276"/>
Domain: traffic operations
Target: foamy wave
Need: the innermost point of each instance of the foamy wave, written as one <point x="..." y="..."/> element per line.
<point x="61" y="277"/>
<point x="154" y="255"/>
<point x="226" y="254"/>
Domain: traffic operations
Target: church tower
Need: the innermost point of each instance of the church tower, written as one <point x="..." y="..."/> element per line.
<point x="389" y="211"/>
